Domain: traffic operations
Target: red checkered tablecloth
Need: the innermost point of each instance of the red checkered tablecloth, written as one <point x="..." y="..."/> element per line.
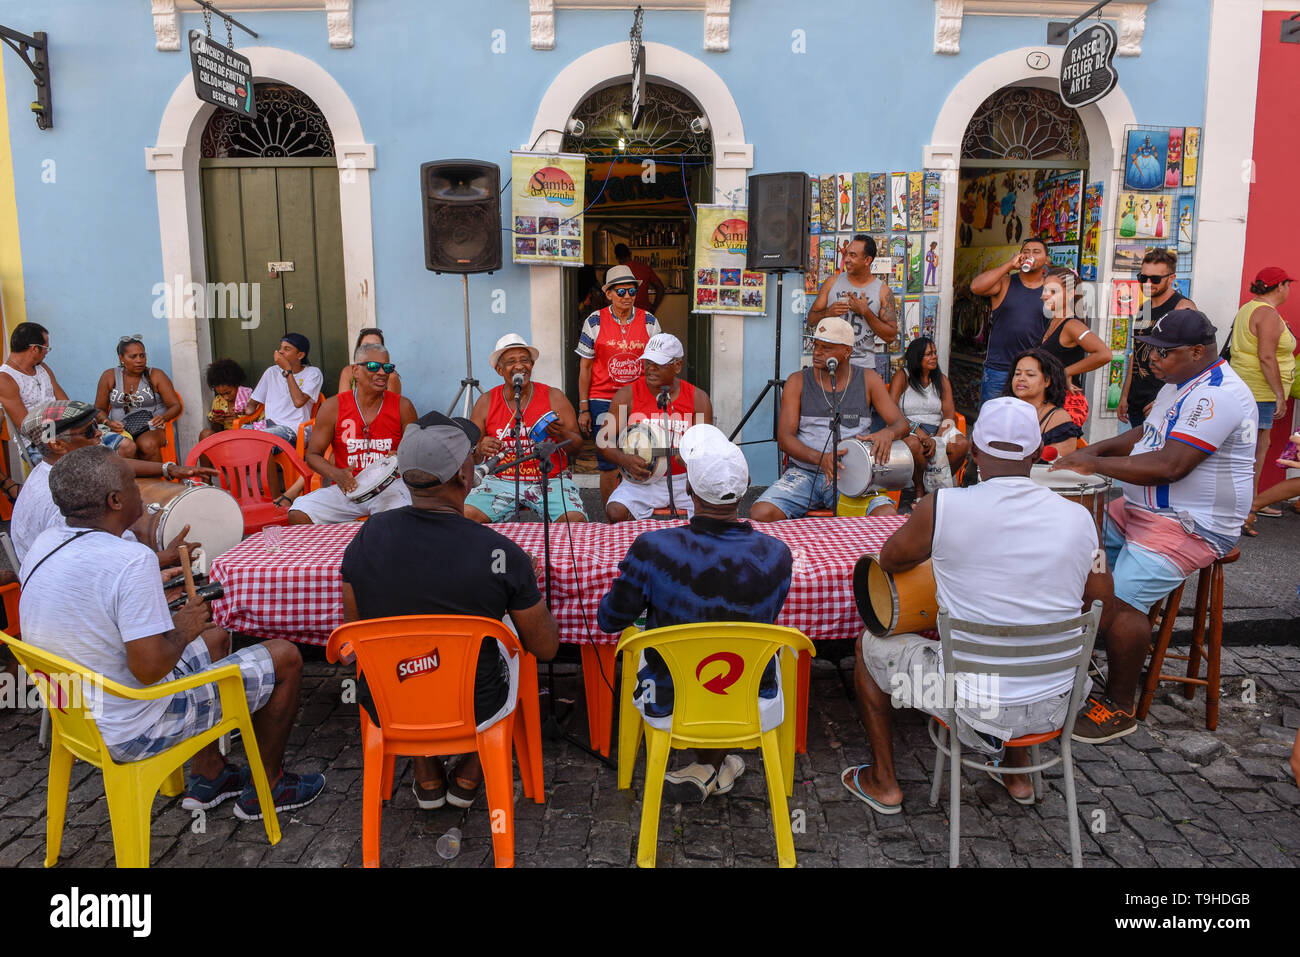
<point x="296" y="592"/>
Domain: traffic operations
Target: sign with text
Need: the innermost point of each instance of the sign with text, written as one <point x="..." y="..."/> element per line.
<point x="548" y="197"/>
<point x="221" y="76"/>
<point x="1087" y="72"/>
<point x="722" y="283"/>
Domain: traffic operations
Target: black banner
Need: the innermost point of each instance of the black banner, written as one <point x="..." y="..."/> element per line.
<point x="1086" y="70"/>
<point x="221" y="76"/>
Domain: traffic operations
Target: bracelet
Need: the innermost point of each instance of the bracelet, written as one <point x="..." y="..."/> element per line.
<point x="167" y="469"/>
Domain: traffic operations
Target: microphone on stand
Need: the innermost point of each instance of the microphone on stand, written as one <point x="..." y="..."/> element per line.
<point x="485" y="468"/>
<point x="832" y="364"/>
<point x="662" y="399"/>
<point x="518" y="382"/>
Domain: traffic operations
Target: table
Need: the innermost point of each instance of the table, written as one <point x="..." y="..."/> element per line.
<point x="296" y="593"/>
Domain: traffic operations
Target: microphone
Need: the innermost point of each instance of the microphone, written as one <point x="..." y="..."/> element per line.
<point x="518" y="382"/>
<point x="484" y="468"/>
<point x="662" y="399"/>
<point x="832" y="364"/>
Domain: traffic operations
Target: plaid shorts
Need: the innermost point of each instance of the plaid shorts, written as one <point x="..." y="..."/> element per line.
<point x="198" y="709"/>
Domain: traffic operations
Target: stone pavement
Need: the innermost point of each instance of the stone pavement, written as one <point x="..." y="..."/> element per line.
<point x="1171" y="795"/>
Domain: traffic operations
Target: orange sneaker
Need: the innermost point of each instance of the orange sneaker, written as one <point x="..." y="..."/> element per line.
<point x="1102" y="720"/>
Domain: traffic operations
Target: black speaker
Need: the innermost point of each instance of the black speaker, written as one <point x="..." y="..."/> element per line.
<point x="778" y="222"/>
<point x="462" y="215"/>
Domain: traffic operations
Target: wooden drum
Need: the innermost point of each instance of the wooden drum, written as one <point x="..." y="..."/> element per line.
<point x="212" y="514"/>
<point x="1090" y="491"/>
<point x="894" y="604"/>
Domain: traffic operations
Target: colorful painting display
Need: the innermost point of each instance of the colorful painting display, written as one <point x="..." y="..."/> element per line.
<point x="810" y="284"/>
<point x="1191" y="154"/>
<point x="1128" y="256"/>
<point x="844" y="200"/>
<point x="1055" y="214"/>
<point x="898" y="252"/>
<point x="1144" y="216"/>
<point x="862" y="202"/>
<point x="1090" y="260"/>
<point x="825" y="259"/>
<point x="1174" y="161"/>
<point x="915" y="198"/>
<point x="1119" y="332"/>
<point x="932" y="215"/>
<point x="932" y="265"/>
<point x="915" y="252"/>
<point x="722" y="284"/>
<point x="547" y="200"/>
<point x="814" y="205"/>
<point x="1125" y="297"/>
<point x="830" y="212"/>
<point x="929" y="315"/>
<point x="880" y="202"/>
<point x="1066" y="255"/>
<point x="1184" y="219"/>
<point x="898" y="202"/>
<point x="911" y="321"/>
<point x="1145" y="159"/>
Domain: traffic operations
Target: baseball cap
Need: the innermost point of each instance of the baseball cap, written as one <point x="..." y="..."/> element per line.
<point x="1011" y="421"/>
<point x="1272" y="275"/>
<point x="619" y="275"/>
<point x="65" y="414"/>
<point x="663" y="349"/>
<point x="716" y="468"/>
<point x="834" y="330"/>
<point x="298" y="341"/>
<point x="436" y="444"/>
<point x="1182" y="327"/>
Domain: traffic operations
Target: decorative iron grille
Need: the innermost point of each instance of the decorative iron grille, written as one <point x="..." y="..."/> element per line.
<point x="1025" y="123"/>
<point x="288" y="124"/>
<point x="665" y="124"/>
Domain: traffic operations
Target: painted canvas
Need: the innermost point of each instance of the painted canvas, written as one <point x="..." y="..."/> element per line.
<point x="810" y="283"/>
<point x="825" y="258"/>
<point x="880" y="202"/>
<point x="929" y="314"/>
<point x="1066" y="254"/>
<point x="814" y="205"/>
<point x="1055" y="215"/>
<point x="911" y="321"/>
<point x="898" y="251"/>
<point x="862" y="202"/>
<point x="898" y="202"/>
<point x="1090" y="259"/>
<point x="1174" y="161"/>
<point x="915" y="251"/>
<point x="1124" y="298"/>
<point x="1185" y="222"/>
<point x="1144" y="216"/>
<point x="842" y="241"/>
<point x="1119" y="332"/>
<point x="931" y="259"/>
<point x="1183" y="286"/>
<point x="932" y="216"/>
<point x="830" y="205"/>
<point x="1128" y="255"/>
<point x="1145" y="159"/>
<point x="844" y="200"/>
<point x="1191" y="154"/>
<point x="915" y="199"/>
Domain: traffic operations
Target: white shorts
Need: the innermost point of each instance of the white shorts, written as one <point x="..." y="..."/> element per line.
<point x="642" y="500"/>
<point x="328" y="505"/>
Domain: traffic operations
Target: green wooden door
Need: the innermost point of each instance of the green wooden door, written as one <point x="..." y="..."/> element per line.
<point x="257" y="212"/>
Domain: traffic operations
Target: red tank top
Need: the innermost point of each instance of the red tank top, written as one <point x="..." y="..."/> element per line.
<point x="618" y="351"/>
<point x="358" y="444"/>
<point x="500" y="419"/>
<point x="679" y="417"/>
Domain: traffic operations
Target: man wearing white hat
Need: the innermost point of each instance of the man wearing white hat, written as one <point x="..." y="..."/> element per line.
<point x="610" y="348"/>
<point x="717" y="568"/>
<point x="1007" y="530"/>
<point x="669" y="405"/>
<point x="804" y="430"/>
<point x="512" y="417"/>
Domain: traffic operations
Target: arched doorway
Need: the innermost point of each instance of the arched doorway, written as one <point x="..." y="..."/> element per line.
<point x="642" y="186"/>
<point x="270" y="195"/>
<point x="1024" y="166"/>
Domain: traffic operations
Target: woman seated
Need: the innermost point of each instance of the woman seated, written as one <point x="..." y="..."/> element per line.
<point x="1283" y="490"/>
<point x="347" y="376"/>
<point x="225" y="378"/>
<point x="1039" y="378"/>
<point x="142" y="399"/>
<point x="924" y="395"/>
<point x="1068" y="337"/>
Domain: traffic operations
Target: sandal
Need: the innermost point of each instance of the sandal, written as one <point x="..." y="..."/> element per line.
<point x="1249" y="531"/>
<point x="996" y="775"/>
<point x="855" y="789"/>
<point x="288" y="502"/>
<point x="1269" y="512"/>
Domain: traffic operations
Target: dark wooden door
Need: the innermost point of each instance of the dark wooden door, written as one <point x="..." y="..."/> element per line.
<point x="257" y="212"/>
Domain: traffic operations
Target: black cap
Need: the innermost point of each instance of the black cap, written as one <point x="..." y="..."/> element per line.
<point x="1182" y="327"/>
<point x="437" y="418"/>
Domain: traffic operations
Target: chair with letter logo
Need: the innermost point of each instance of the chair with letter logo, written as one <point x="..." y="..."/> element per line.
<point x="711" y="711"/>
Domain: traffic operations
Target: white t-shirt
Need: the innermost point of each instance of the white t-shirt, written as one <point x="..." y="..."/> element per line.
<point x="85" y="603"/>
<point x="1216" y="413"/>
<point x="273" y="392"/>
<point x="1010" y="552"/>
<point x="35" y="511"/>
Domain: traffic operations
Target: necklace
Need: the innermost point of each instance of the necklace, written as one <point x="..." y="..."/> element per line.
<point x="365" y="423"/>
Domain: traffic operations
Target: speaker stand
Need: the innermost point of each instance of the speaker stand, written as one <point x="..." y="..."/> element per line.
<point x="469" y="385"/>
<point x="774" y="384"/>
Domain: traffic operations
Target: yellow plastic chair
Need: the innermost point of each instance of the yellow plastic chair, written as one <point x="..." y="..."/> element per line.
<point x="715" y="718"/>
<point x="129" y="787"/>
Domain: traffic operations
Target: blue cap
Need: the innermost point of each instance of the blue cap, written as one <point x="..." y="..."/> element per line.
<point x="298" y="341"/>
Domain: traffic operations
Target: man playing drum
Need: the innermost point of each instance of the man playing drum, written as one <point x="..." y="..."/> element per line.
<point x="547" y="416"/>
<point x="978" y="539"/>
<point x="804" y="430"/>
<point x="363" y="427"/>
<point x="667" y="405"/>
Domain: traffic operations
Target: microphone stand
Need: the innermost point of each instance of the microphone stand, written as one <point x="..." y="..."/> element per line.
<point x="665" y="405"/>
<point x="835" y="444"/>
<point x="516" y="429"/>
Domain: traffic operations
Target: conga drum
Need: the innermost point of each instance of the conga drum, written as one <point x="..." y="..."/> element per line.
<point x="1090" y="491"/>
<point x="212" y="514"/>
<point x="894" y="604"/>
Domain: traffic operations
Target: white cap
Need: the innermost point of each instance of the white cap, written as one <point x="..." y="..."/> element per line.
<point x="834" y="330"/>
<point x="716" y="469"/>
<point x="511" y="340"/>
<point x="1008" y="420"/>
<point x="663" y="349"/>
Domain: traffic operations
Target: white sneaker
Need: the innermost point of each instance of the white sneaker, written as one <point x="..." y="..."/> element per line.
<point x="690" y="784"/>
<point x="733" y="766"/>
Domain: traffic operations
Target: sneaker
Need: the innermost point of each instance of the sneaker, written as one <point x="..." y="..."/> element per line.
<point x="202" y="794"/>
<point x="733" y="766"/>
<point x="1102" y="721"/>
<point x="691" y="784"/>
<point x="290" y="792"/>
<point x="429" y="799"/>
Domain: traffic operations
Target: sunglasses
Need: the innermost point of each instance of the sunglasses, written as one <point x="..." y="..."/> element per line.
<point x="1147" y="277"/>
<point x="138" y="337"/>
<point x="373" y="366"/>
<point x="1164" y="353"/>
<point x="91" y="431"/>
<point x="625" y="292"/>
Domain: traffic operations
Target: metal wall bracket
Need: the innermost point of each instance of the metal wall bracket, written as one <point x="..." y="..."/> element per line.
<point x="39" y="64"/>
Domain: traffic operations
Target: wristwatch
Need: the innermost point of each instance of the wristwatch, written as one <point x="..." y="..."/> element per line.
<point x="285" y="373"/>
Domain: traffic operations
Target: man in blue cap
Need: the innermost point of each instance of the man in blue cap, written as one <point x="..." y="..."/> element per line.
<point x="287" y="389"/>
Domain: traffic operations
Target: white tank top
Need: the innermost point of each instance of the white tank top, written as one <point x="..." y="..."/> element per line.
<point x="35" y="390"/>
<point x="1012" y="530"/>
<point x="925" y="407"/>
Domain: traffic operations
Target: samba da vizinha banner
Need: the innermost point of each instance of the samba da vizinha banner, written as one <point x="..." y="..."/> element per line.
<point x="548" y="197"/>
<point x="722" y="283"/>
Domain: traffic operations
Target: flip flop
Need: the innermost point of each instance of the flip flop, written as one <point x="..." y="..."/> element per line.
<point x="1249" y="531"/>
<point x="1270" y="512"/>
<point x="996" y="776"/>
<point x="856" y="790"/>
<point x="288" y="502"/>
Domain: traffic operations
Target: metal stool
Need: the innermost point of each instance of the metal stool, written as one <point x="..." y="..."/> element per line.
<point x="1208" y="616"/>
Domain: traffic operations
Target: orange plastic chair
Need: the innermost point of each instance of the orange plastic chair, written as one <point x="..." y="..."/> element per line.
<point x="169" y="449"/>
<point x="6" y="506"/>
<point x="243" y="459"/>
<point x="432" y="713"/>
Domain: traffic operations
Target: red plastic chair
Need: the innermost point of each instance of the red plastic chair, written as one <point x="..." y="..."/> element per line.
<point x="432" y="713"/>
<point x="243" y="458"/>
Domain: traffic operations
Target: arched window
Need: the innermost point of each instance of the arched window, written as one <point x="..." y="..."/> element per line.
<point x="1024" y="123"/>
<point x="288" y="125"/>
<point x="665" y="126"/>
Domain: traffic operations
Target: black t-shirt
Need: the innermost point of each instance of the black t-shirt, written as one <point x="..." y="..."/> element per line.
<point x="411" y="561"/>
<point x="1144" y="386"/>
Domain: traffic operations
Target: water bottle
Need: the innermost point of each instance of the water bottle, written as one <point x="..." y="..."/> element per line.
<point x="449" y="844"/>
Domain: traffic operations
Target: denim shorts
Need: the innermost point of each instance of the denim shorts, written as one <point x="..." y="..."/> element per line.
<point x="798" y="491"/>
<point x="1142" y="577"/>
<point x="1266" y="412"/>
<point x="599" y="408"/>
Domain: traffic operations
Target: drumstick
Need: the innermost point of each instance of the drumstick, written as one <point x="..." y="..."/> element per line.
<point x="189" y="572"/>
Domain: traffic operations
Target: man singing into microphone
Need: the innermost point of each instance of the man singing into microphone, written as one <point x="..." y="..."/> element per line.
<point x="662" y="397"/>
<point x="495" y="416"/>
<point x="804" y="430"/>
